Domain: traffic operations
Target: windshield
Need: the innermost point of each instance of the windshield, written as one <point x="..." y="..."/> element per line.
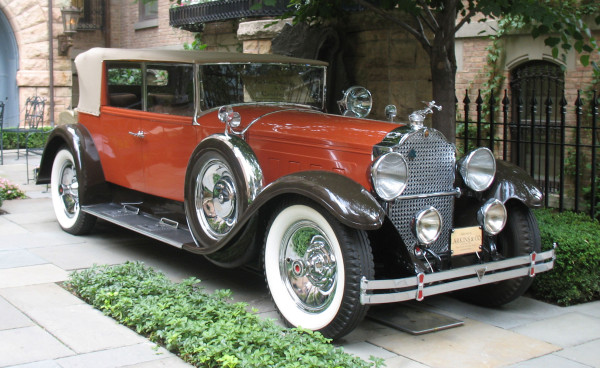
<point x="225" y="84"/>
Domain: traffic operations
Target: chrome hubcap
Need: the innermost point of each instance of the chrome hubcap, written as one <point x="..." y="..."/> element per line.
<point x="68" y="190"/>
<point x="216" y="204"/>
<point x="308" y="266"/>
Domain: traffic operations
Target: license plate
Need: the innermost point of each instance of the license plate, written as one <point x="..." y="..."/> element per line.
<point x="466" y="240"/>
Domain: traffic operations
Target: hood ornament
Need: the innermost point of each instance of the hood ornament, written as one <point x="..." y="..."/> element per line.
<point x="417" y="117"/>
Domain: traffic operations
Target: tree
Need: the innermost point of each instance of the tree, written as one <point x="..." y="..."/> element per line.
<point x="434" y="23"/>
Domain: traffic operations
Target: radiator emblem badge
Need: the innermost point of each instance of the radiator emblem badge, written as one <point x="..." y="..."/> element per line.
<point x="481" y="273"/>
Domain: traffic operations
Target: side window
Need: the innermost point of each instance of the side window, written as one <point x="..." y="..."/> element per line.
<point x="221" y="85"/>
<point x="170" y="89"/>
<point x="125" y="85"/>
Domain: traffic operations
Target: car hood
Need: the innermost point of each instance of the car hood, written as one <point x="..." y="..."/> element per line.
<point x="298" y="125"/>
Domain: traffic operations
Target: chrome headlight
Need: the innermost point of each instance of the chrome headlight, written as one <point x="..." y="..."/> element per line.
<point x="492" y="216"/>
<point x="390" y="175"/>
<point x="427" y="225"/>
<point x="478" y="169"/>
<point x="356" y="102"/>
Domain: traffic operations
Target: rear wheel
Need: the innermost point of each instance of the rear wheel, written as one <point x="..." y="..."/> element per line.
<point x="313" y="267"/>
<point x="520" y="236"/>
<point x="66" y="188"/>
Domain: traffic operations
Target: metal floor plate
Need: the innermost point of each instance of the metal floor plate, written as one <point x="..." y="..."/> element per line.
<point x="413" y="320"/>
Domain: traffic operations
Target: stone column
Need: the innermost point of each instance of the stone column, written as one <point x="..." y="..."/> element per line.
<point x="256" y="38"/>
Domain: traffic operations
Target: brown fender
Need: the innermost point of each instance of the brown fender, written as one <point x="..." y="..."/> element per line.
<point x="78" y="140"/>
<point x="344" y="198"/>
<point x="512" y="182"/>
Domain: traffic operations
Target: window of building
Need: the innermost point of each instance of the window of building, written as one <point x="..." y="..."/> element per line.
<point x="92" y="14"/>
<point x="148" y="10"/>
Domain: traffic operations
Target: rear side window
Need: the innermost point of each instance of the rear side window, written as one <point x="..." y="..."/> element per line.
<point x="155" y="87"/>
<point x="125" y="84"/>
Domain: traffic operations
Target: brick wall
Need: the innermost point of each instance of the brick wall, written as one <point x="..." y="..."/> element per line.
<point x="127" y="31"/>
<point x="472" y="57"/>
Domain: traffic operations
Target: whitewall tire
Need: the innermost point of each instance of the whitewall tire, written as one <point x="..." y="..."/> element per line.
<point x="313" y="265"/>
<point x="66" y="188"/>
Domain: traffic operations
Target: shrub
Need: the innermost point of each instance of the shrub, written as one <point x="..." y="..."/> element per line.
<point x="36" y="140"/>
<point x="575" y="277"/>
<point x="205" y="330"/>
<point x="9" y="190"/>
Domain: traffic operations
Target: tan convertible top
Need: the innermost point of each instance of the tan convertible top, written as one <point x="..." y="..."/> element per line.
<point x="89" y="66"/>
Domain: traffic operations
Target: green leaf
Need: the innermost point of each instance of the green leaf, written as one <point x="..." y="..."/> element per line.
<point x="551" y="41"/>
<point x="585" y="60"/>
<point x="555" y="52"/>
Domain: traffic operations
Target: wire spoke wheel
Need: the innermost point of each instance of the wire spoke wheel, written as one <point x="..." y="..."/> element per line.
<point x="313" y="265"/>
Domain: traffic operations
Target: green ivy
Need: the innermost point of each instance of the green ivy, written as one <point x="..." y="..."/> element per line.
<point x="196" y="44"/>
<point x="575" y="277"/>
<point x="204" y="330"/>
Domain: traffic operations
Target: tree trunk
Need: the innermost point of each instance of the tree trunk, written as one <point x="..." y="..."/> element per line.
<point x="443" y="70"/>
<point x="443" y="84"/>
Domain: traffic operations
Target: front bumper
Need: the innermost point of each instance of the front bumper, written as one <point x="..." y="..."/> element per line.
<point x="421" y="285"/>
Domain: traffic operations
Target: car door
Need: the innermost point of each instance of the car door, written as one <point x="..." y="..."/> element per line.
<point x="169" y="134"/>
<point x="121" y="136"/>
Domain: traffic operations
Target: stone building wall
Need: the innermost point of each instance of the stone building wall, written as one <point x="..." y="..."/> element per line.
<point x="381" y="58"/>
<point x="388" y="62"/>
<point x="29" y="22"/>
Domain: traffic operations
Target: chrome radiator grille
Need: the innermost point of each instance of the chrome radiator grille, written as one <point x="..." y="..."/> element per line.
<point x="431" y="162"/>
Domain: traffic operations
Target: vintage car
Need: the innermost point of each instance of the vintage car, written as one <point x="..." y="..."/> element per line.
<point x="233" y="157"/>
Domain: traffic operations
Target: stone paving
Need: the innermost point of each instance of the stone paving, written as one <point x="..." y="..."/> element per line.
<point x="44" y="326"/>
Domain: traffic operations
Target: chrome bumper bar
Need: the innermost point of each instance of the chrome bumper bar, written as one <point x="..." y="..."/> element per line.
<point x="421" y="285"/>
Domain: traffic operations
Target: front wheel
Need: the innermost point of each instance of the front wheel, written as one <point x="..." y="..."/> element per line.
<point x="66" y="188"/>
<point x="313" y="266"/>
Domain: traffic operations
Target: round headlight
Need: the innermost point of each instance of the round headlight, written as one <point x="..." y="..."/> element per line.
<point x="390" y="175"/>
<point x="478" y="169"/>
<point x="357" y="102"/>
<point x="492" y="216"/>
<point x="428" y="225"/>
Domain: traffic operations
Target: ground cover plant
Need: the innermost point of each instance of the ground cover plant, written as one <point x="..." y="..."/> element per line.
<point x="204" y="330"/>
<point x="9" y="190"/>
<point x="575" y="277"/>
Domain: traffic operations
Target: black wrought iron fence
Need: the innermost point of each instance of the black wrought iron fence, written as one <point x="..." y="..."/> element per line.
<point x="559" y="149"/>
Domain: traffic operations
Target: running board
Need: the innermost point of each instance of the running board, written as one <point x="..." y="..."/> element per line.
<point x="130" y="217"/>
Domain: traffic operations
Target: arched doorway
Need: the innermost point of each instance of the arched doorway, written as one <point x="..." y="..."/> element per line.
<point x="9" y="61"/>
<point x="535" y="85"/>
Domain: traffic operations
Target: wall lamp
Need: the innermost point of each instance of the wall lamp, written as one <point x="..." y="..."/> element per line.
<point x="70" y="18"/>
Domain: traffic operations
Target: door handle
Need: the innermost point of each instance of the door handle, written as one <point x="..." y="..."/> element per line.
<point x="139" y="134"/>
